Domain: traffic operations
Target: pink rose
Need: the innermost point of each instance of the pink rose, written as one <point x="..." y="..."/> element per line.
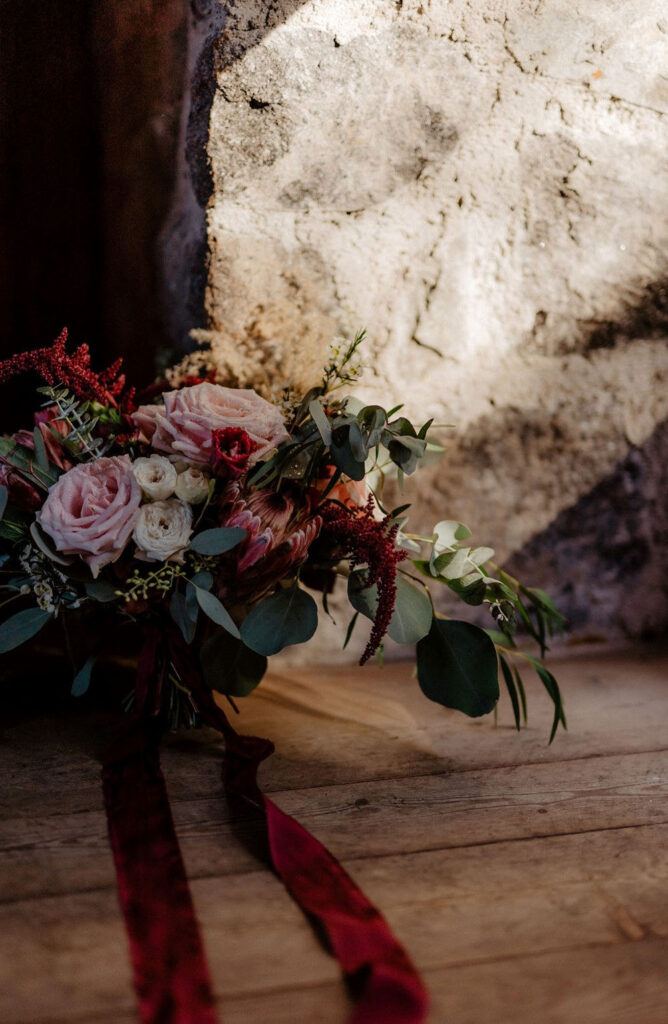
<point x="145" y="418"/>
<point x="186" y="424"/>
<point x="91" y="510"/>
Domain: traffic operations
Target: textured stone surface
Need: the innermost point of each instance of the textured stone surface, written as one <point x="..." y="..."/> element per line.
<point x="483" y="186"/>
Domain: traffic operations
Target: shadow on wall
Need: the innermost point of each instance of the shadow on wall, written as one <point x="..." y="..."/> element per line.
<point x="605" y="559"/>
<point x="91" y="134"/>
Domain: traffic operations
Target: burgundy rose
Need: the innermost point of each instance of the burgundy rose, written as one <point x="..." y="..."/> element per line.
<point x="231" y="452"/>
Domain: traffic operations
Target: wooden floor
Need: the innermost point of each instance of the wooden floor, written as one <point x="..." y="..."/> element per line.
<point x="529" y="883"/>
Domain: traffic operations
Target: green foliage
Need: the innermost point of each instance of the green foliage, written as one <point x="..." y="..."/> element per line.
<point x="215" y="610"/>
<point x="21" y="627"/>
<point x="82" y="419"/>
<point x="101" y="590"/>
<point x="457" y="667"/>
<point x="230" y="667"/>
<point x="217" y="541"/>
<point x="411" y="619"/>
<point x="3" y="499"/>
<point x="44" y="545"/>
<point x="290" y="616"/>
<point x="13" y="526"/>
<point x="140" y="586"/>
<point x="81" y="681"/>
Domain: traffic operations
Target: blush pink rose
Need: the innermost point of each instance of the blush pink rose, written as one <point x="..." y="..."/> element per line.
<point x="91" y="510"/>
<point x="185" y="425"/>
<point x="145" y="418"/>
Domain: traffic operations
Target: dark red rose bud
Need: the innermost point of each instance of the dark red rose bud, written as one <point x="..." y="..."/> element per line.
<point x="232" y="449"/>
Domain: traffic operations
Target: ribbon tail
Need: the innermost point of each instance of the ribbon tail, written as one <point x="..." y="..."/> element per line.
<point x="360" y="938"/>
<point x="170" y="972"/>
<point x="387" y="986"/>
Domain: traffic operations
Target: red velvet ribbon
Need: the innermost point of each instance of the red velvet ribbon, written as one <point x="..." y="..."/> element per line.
<point x="170" y="970"/>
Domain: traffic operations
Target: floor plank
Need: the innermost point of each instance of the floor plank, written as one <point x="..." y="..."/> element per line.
<point x="528" y="882"/>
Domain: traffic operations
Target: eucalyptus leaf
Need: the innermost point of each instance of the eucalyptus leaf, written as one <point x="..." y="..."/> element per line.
<point x="184" y="613"/>
<point x="412" y="613"/>
<point x="411" y="619"/>
<point x="343" y="457"/>
<point x="21" y="627"/>
<point x="448" y="532"/>
<point x="472" y="593"/>
<point x="217" y="541"/>
<point x="216" y="611"/>
<point x="457" y="667"/>
<point x="101" y="590"/>
<point x="290" y="616"/>
<point x="230" y="667"/>
<point x="81" y="681"/>
<point x="319" y="417"/>
<point x="45" y="547"/>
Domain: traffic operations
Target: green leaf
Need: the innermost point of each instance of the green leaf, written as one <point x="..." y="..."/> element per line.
<point x="363" y="599"/>
<point x="512" y="690"/>
<point x="216" y="611"/>
<point x="290" y="616"/>
<point x="319" y="417"/>
<point x="457" y="667"/>
<point x="81" y="681"/>
<point x="217" y="541"/>
<point x="101" y="590"/>
<point x="21" y="627"/>
<point x="342" y="454"/>
<point x="522" y="693"/>
<point x="448" y="532"/>
<point x="412" y="614"/>
<point x="230" y="667"/>
<point x="203" y="579"/>
<point x="13" y="526"/>
<point x="40" y="450"/>
<point x="372" y="419"/>
<point x="349" y="631"/>
<point x="473" y="594"/>
<point x="4" y="495"/>
<point x="42" y="542"/>
<point x="411" y="619"/>
<point x="184" y="610"/>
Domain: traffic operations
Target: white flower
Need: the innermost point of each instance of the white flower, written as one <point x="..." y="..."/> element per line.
<point x="163" y="530"/>
<point x="192" y="486"/>
<point x="156" y="476"/>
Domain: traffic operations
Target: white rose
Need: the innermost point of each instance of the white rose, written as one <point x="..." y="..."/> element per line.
<point x="192" y="486"/>
<point x="163" y="530"/>
<point x="156" y="476"/>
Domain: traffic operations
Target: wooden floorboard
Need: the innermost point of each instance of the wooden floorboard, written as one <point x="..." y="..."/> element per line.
<point x="529" y="882"/>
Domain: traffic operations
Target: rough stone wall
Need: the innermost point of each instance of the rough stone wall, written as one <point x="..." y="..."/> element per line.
<point x="484" y="186"/>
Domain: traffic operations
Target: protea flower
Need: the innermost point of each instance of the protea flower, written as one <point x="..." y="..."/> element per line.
<point x="279" y="531"/>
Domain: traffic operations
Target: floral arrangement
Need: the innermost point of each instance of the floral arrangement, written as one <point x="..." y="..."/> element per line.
<point x="209" y="510"/>
<point x="203" y="518"/>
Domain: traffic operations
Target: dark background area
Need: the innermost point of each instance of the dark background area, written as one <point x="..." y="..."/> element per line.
<point x="90" y="102"/>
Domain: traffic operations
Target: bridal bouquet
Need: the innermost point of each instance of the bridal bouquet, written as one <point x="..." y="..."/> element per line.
<point x="210" y="511"/>
<point x="203" y="518"/>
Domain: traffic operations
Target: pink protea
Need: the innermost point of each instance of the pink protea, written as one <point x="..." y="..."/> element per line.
<point x="279" y="531"/>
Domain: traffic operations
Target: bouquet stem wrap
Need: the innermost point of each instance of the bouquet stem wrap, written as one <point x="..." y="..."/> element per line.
<point x="171" y="976"/>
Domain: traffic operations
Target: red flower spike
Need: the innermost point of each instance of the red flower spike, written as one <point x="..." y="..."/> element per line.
<point x="368" y="541"/>
<point x="55" y="366"/>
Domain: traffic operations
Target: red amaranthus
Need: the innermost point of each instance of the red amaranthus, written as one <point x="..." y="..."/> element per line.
<point x="372" y="543"/>
<point x="55" y="366"/>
